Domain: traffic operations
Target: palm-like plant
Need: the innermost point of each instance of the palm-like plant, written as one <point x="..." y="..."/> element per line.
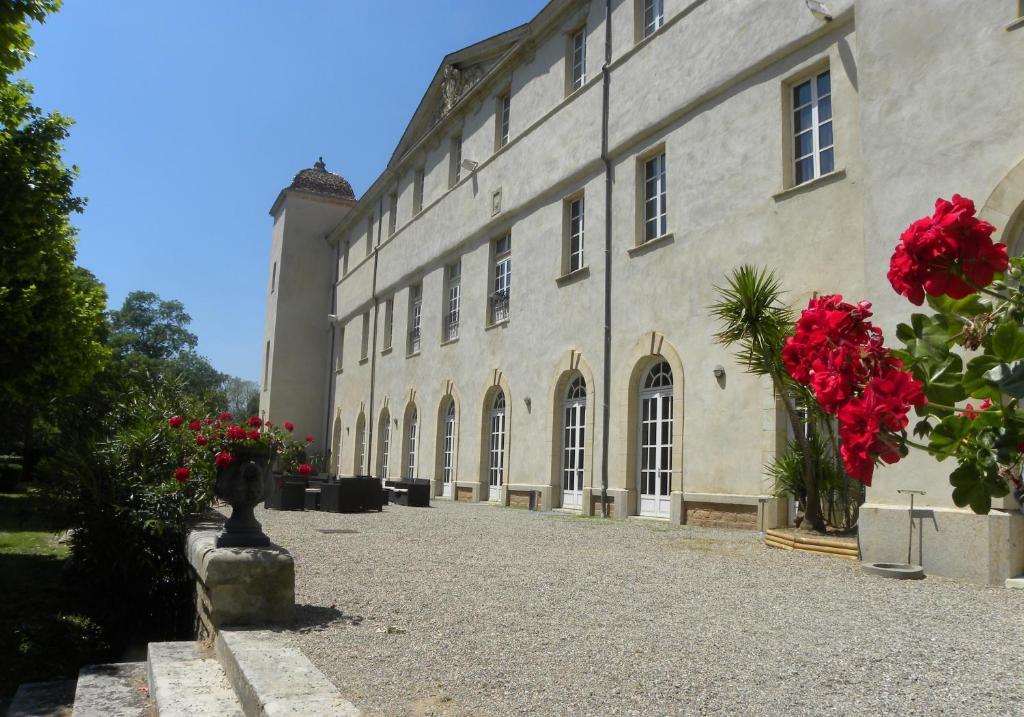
<point x="755" y="321"/>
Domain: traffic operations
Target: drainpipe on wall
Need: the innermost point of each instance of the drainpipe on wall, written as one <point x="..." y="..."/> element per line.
<point x="607" y="357"/>
<point x="333" y="309"/>
<point x="373" y="339"/>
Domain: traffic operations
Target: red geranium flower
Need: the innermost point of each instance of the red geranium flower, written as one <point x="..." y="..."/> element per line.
<point x="175" y="421"/>
<point x="970" y="413"/>
<point x="950" y="253"/>
<point x="254" y="421"/>
<point x="208" y="420"/>
<point x="201" y="440"/>
<point x="268" y="424"/>
<point x="195" y="425"/>
<point x="181" y="474"/>
<point x="225" y="416"/>
<point x="236" y="433"/>
<point x="310" y="439"/>
<point x="288" y="426"/>
<point x="305" y="469"/>
<point x="253" y="435"/>
<point x="223" y="459"/>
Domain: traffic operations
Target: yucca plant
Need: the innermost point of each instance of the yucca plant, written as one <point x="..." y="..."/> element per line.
<point x="757" y="323"/>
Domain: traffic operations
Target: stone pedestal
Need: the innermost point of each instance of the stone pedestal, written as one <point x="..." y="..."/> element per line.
<point x="238" y="587"/>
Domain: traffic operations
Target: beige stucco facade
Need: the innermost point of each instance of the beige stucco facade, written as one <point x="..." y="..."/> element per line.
<point x="926" y="101"/>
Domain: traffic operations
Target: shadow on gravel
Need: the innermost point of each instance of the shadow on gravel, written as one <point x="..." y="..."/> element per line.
<point x="309" y="618"/>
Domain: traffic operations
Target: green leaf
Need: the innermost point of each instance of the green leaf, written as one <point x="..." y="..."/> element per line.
<point x="1008" y="342"/>
<point x="970" y="306"/>
<point x="1009" y="378"/>
<point x="947" y="436"/>
<point x="975" y="382"/>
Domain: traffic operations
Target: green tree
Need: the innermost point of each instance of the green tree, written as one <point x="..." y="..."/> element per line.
<point x="754" y="319"/>
<point x="243" y="397"/>
<point x="51" y="311"/>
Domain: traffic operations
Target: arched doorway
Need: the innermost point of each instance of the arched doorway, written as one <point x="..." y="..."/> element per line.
<point x="496" y="447"/>
<point x="359" y="467"/>
<point x="411" y="441"/>
<point x="654" y="442"/>
<point x="383" y="457"/>
<point x="574" y="416"/>
<point x="448" y="432"/>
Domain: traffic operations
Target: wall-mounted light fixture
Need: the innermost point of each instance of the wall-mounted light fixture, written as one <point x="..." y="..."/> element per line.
<point x="469" y="165"/>
<point x="819" y="10"/>
<point x="719" y="371"/>
<point x="528" y="402"/>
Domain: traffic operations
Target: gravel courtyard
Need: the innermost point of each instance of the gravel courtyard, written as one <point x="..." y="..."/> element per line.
<point x="469" y="609"/>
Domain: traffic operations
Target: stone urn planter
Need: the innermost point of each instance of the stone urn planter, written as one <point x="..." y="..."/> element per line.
<point x="241" y="484"/>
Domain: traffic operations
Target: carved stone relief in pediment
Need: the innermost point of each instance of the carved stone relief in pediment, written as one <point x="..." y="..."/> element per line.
<point x="456" y="82"/>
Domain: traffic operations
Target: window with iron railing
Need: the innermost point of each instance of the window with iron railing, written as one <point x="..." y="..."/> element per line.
<point x="453" y="291"/>
<point x="502" y="286"/>
<point x="415" y="313"/>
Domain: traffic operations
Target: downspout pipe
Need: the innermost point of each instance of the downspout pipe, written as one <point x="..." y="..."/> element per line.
<point x="606" y="366"/>
<point x="333" y="309"/>
<point x="373" y="340"/>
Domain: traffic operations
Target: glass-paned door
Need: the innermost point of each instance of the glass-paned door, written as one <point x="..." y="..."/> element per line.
<point x="496" y="472"/>
<point x="574" y="417"/>
<point x="448" y="451"/>
<point x="385" y="447"/>
<point x="655" y="442"/>
<point x="410" y="468"/>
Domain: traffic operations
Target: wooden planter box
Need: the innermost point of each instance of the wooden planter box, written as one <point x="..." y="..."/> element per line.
<point x="350" y="495"/>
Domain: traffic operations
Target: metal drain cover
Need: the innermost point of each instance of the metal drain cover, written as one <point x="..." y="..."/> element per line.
<point x="336" y="531"/>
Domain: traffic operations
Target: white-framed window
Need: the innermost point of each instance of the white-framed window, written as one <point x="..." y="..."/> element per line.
<point x="410" y="466"/>
<point x="453" y="299"/>
<point x="385" y="445"/>
<point x="417" y="191"/>
<point x="273" y="278"/>
<point x="574" y="234"/>
<point x="813" y="150"/>
<point x="655" y="212"/>
<point x="502" y="115"/>
<point x="574" y="420"/>
<point x="455" y="155"/>
<point x="448" y="450"/>
<point x="369" y="235"/>
<point x="501" y="287"/>
<point x="389" y="323"/>
<point x="496" y="447"/>
<point x="364" y="349"/>
<point x="415" y="314"/>
<point x="577" y="59"/>
<point x="392" y="214"/>
<point x="655" y="441"/>
<point x="652" y="16"/>
<point x="360" y="464"/>
<point x="340" y="363"/>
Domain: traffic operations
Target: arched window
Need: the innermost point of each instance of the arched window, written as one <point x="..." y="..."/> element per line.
<point x="448" y="450"/>
<point x="385" y="445"/>
<point x="336" y="444"/>
<point x="496" y="466"/>
<point x="359" y="468"/>
<point x="655" y="441"/>
<point x="574" y="417"/>
<point x="410" y="442"/>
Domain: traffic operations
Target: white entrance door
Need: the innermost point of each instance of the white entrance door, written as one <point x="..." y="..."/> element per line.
<point x="574" y="415"/>
<point x="496" y="474"/>
<point x="448" y="451"/>
<point x="655" y="442"/>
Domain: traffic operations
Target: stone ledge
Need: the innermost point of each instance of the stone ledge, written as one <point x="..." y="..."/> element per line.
<point x="239" y="586"/>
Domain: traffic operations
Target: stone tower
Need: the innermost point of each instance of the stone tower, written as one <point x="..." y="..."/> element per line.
<point x="297" y="335"/>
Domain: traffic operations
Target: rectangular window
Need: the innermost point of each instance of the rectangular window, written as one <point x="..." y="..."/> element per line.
<point x="504" y="106"/>
<point x="273" y="278"/>
<point x="502" y="286"/>
<point x="392" y="214"/>
<point x="574" y="234"/>
<point x="339" y="363"/>
<point x="653" y="16"/>
<point x="389" y="322"/>
<point x="417" y="191"/>
<point x="364" y="350"/>
<point x="415" y="314"/>
<point x="369" y="235"/>
<point x="453" y="298"/>
<point x="455" y="166"/>
<point x="655" y="215"/>
<point x="577" y="59"/>
<point x="266" y="367"/>
<point x="813" y="153"/>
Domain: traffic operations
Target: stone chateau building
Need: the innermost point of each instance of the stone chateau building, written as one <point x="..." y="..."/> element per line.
<point x="516" y="309"/>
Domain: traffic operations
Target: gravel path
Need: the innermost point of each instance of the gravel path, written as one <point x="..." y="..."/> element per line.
<point x="469" y="609"/>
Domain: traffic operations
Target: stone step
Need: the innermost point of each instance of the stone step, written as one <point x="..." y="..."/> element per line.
<point x="42" y="699"/>
<point x="114" y="690"/>
<point x="186" y="680"/>
<point x="273" y="678"/>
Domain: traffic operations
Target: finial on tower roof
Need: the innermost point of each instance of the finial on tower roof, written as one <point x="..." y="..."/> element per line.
<point x="319" y="164"/>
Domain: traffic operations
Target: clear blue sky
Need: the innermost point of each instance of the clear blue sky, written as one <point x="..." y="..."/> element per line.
<point x="192" y="115"/>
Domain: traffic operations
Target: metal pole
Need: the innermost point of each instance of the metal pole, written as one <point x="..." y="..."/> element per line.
<point x="910" y="535"/>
